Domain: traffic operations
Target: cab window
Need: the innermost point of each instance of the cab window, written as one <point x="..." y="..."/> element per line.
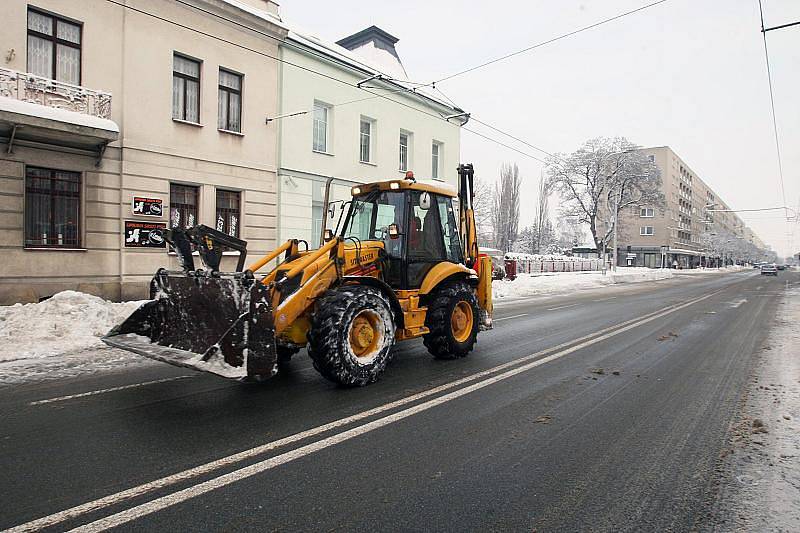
<point x="452" y="240"/>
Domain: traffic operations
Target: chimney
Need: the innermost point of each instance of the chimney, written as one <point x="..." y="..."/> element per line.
<point x="377" y="47"/>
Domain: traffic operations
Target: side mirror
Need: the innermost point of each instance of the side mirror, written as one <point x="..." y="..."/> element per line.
<point x="328" y="235"/>
<point x="394" y="231"/>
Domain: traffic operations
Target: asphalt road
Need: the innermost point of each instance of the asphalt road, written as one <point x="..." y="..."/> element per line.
<point x="603" y="410"/>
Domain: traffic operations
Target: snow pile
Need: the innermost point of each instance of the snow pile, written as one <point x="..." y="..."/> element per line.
<point x="723" y="270"/>
<point x="525" y="286"/>
<point x="66" y="322"/>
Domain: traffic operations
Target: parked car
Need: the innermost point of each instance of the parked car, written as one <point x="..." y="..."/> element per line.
<point x="781" y="267"/>
<point x="769" y="269"/>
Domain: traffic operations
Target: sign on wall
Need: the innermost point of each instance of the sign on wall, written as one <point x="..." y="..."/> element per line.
<point x="148" y="207"/>
<point x="144" y="234"/>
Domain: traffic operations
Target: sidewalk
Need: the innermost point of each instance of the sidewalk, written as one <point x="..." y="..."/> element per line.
<point x="760" y="470"/>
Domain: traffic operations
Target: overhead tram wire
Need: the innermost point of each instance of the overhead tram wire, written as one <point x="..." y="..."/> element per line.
<point x="772" y="105"/>
<point x="312" y="71"/>
<point x="548" y="41"/>
<point x="432" y="84"/>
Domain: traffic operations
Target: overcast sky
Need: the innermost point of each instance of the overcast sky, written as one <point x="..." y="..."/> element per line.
<point x="689" y="74"/>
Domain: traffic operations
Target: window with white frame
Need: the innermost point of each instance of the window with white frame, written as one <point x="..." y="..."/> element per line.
<point x="646" y="212"/>
<point x="322" y="116"/>
<point x="405" y="150"/>
<point x="436" y="156"/>
<point x="365" y="140"/>
<point x="646" y="230"/>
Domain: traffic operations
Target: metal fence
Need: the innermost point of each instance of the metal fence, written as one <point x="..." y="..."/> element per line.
<point x="526" y="266"/>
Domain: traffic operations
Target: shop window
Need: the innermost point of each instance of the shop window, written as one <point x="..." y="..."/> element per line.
<point x="183" y="202"/>
<point x="52" y="208"/>
<point x="228" y="212"/>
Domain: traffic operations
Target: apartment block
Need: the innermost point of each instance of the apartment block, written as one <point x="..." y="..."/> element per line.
<point x="677" y="232"/>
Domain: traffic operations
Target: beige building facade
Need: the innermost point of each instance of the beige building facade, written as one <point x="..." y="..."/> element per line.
<point x="117" y="122"/>
<point x="678" y="232"/>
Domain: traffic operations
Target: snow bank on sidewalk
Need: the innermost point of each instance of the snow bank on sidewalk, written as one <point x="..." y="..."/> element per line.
<point x="66" y="322"/>
<point x="723" y="270"/>
<point x="568" y="281"/>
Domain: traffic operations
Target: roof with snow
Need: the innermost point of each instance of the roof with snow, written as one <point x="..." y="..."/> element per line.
<point x="369" y="64"/>
<point x="377" y="46"/>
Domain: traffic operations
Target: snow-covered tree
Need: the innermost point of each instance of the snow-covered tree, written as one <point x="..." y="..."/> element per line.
<point x="482" y="205"/>
<point x="600" y="179"/>
<point x="505" y="215"/>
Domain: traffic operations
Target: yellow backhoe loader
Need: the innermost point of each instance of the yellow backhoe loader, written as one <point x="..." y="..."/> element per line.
<point x="403" y="263"/>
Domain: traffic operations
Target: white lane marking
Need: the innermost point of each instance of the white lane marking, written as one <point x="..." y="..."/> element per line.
<point x="605" y="299"/>
<point x="144" y="488"/>
<point x="509" y="317"/>
<point x="562" y="307"/>
<point x="103" y="391"/>
<point x="738" y="303"/>
<point x="188" y="493"/>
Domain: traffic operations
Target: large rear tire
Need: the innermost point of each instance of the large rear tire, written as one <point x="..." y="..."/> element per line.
<point x="452" y="319"/>
<point x="351" y="336"/>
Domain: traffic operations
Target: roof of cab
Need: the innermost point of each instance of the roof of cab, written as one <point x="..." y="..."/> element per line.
<point x="436" y="187"/>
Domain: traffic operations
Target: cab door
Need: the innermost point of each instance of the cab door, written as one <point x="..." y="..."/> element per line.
<point x="425" y="240"/>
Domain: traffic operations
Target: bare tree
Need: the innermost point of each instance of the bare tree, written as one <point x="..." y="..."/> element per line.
<point x="506" y="207"/>
<point x="482" y="206"/>
<point x="544" y="229"/>
<point x="600" y="179"/>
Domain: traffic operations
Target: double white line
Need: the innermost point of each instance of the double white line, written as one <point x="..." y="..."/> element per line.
<point x="480" y="379"/>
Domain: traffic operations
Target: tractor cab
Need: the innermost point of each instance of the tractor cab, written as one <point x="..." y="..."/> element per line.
<point x="413" y="224"/>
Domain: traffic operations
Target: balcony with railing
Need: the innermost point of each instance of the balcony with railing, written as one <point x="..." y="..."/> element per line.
<point x="41" y="110"/>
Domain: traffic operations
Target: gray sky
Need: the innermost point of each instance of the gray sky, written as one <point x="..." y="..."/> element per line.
<point x="687" y="73"/>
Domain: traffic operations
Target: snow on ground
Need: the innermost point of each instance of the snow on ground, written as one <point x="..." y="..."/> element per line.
<point x="760" y="482"/>
<point x="723" y="270"/>
<point x="67" y="322"/>
<point x="525" y="286"/>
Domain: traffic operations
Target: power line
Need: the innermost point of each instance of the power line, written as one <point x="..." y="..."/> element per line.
<point x="772" y="105"/>
<point x="310" y="70"/>
<point x="552" y="40"/>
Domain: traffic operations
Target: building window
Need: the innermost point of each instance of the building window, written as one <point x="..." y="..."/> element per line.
<point x="646" y="230"/>
<point x="52" y="208"/>
<point x="321" y="124"/>
<point x="54" y="47"/>
<point x="183" y="201"/>
<point x="436" y="152"/>
<point x="652" y="158"/>
<point x="646" y="212"/>
<point x="228" y="212"/>
<point x="230" y="101"/>
<point x="365" y="141"/>
<point x="405" y="142"/>
<point x="185" y="89"/>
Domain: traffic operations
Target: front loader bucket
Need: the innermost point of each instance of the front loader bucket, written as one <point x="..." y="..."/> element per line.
<point x="220" y="323"/>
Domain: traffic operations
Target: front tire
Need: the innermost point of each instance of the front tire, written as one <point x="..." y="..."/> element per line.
<point x="452" y="319"/>
<point x="352" y="334"/>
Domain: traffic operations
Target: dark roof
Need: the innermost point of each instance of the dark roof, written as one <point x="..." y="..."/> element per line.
<point x="366" y="35"/>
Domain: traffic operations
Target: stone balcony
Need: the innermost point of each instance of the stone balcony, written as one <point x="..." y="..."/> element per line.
<point x="52" y="93"/>
<point x="38" y="110"/>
